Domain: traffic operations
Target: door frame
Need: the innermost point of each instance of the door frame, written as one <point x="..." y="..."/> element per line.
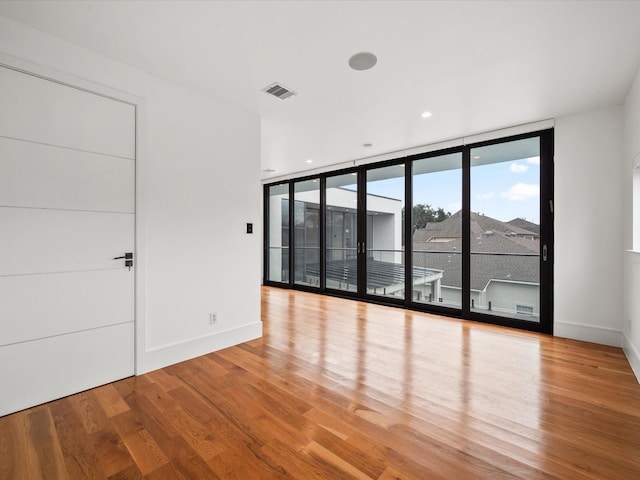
<point x="545" y="324"/>
<point x="140" y="270"/>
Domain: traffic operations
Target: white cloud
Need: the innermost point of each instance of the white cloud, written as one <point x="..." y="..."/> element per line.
<point x="521" y="192"/>
<point x="485" y="196"/>
<point x="533" y="160"/>
<point x="518" y="168"/>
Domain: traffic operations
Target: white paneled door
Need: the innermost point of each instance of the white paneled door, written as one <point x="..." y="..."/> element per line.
<point x="67" y="208"/>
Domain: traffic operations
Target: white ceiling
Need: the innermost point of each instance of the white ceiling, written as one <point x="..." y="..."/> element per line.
<point x="477" y="66"/>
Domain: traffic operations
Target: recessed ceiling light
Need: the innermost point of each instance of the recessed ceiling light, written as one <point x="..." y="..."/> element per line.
<point x="426" y="114"/>
<point x="363" y="61"/>
<point x="367" y="145"/>
<point x="476" y="157"/>
<point x="309" y="160"/>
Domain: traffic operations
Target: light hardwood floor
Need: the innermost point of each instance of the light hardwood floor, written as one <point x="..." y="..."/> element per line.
<point x="338" y="389"/>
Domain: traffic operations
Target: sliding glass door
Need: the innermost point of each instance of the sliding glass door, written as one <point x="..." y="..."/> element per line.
<point x="467" y="232"/>
<point x="384" y="243"/>
<point x="277" y="232"/>
<point x="306" y="236"/>
<point x="341" y="232"/>
<point x="505" y="229"/>
<point x="436" y="230"/>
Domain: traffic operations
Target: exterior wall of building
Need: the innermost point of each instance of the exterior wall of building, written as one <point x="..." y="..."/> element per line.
<point x="506" y="296"/>
<point x="387" y="229"/>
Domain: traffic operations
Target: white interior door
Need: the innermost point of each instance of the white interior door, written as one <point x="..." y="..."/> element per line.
<point x="67" y="208"/>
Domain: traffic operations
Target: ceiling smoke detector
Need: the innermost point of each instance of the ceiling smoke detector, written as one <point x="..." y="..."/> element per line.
<point x="279" y="91"/>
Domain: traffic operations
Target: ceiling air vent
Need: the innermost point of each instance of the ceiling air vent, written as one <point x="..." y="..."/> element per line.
<point x="279" y="91"/>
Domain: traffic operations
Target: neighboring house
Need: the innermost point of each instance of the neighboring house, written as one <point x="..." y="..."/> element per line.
<point x="525" y="225"/>
<point x="504" y="263"/>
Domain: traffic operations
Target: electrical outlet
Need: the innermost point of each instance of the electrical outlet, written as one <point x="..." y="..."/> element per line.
<point x="213" y="318"/>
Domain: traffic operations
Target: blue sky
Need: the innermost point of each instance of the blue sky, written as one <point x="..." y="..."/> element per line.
<point x="504" y="191"/>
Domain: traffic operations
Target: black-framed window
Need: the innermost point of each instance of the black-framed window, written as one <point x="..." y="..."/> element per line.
<point x="466" y="231"/>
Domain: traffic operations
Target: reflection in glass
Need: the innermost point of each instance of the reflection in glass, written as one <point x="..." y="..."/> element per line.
<point x="278" y="233"/>
<point x="385" y="242"/>
<point x="341" y="266"/>
<point x="306" y="236"/>
<point x="505" y="230"/>
<point x="436" y="221"/>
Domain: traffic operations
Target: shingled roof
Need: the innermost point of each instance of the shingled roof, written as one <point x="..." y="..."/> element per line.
<point x="525" y="224"/>
<point x="500" y="251"/>
<point x="480" y="224"/>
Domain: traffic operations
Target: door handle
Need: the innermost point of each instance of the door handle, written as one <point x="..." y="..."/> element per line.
<point x="128" y="259"/>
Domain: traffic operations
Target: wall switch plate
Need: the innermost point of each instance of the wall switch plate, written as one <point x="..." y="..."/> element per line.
<point x="249" y="227"/>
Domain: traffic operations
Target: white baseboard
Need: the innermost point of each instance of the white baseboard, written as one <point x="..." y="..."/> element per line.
<point x="633" y="356"/>
<point x="588" y="333"/>
<point x="176" y="353"/>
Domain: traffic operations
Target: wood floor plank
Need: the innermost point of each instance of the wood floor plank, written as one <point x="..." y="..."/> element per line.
<point x="337" y="389"/>
<point x="243" y="463"/>
<point x="80" y="455"/>
<point x="130" y="473"/>
<point x="142" y="447"/>
<point x="109" y="400"/>
<point x="196" y="434"/>
<point x="392" y="473"/>
<point x="20" y="460"/>
<point x="299" y="465"/>
<point x="44" y="438"/>
<point x="186" y="462"/>
<point x="91" y="414"/>
<point x="362" y="460"/>
<point x="111" y="452"/>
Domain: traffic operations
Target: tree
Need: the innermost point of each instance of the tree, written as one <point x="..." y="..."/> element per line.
<point x="423" y="214"/>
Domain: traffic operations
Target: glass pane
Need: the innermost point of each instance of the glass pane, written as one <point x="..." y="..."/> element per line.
<point x="278" y="233"/>
<point x="306" y="236"/>
<point x="436" y="220"/>
<point x="505" y="230"/>
<point x="341" y="266"/>
<point x="385" y="242"/>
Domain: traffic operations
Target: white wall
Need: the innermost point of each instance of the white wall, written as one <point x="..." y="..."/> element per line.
<point x="631" y="159"/>
<point x="387" y="229"/>
<point x="198" y="184"/>
<point x="588" y="282"/>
